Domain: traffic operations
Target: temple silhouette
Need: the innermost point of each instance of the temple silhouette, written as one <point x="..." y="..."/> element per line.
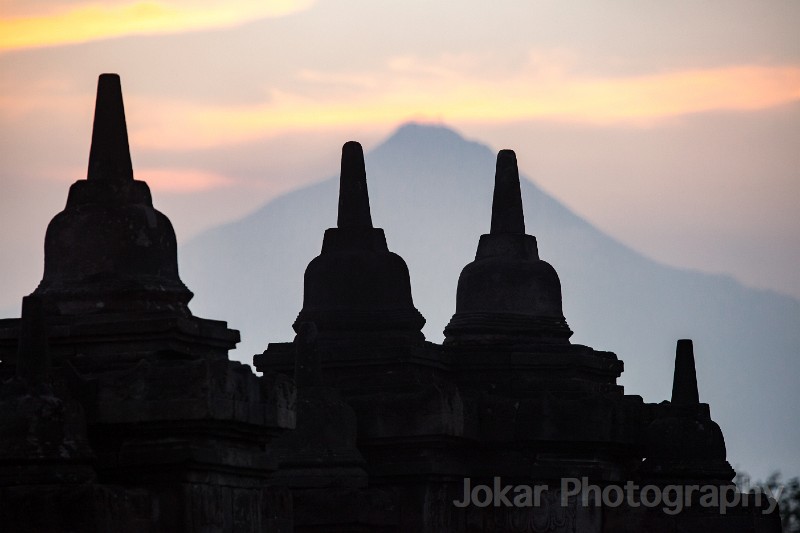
<point x="120" y="410"/>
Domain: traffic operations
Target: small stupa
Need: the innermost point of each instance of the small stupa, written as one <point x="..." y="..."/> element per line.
<point x="508" y="294"/>
<point x="356" y="286"/>
<point x="683" y="444"/>
<point x="109" y="250"/>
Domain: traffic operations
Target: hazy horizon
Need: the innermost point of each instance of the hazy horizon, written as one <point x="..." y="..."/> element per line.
<point x="672" y="127"/>
<point x="431" y="191"/>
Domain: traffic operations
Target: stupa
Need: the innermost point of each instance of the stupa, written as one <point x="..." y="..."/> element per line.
<point x="176" y="431"/>
<point x="120" y="410"/>
<point x="506" y="401"/>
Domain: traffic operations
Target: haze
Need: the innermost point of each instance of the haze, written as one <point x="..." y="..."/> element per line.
<point x="672" y="126"/>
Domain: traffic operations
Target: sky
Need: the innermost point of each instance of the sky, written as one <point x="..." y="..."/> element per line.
<point x="673" y="126"/>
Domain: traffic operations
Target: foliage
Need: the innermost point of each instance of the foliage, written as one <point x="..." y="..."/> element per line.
<point x="788" y="499"/>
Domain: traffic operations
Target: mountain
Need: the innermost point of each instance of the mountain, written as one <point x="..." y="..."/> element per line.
<point x="431" y="191"/>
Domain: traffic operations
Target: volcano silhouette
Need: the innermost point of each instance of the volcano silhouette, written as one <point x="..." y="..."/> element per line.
<point x="431" y="191"/>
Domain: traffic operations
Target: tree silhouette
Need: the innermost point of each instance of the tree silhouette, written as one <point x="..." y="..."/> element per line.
<point x="788" y="499"/>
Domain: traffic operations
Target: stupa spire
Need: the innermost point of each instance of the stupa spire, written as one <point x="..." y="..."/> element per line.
<point x="109" y="250"/>
<point x="353" y="195"/>
<point x="508" y="294"/>
<point x="109" y="157"/>
<point x="684" y="384"/>
<point x="507" y="214"/>
<point x="356" y="286"/>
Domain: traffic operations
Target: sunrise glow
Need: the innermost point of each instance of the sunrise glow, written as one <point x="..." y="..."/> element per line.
<point x="635" y="100"/>
<point x="181" y="180"/>
<point x="91" y="22"/>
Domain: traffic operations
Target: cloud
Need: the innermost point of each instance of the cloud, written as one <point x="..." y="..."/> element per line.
<point x="92" y="21"/>
<point x="411" y="89"/>
<point x="182" y="180"/>
<point x="161" y="179"/>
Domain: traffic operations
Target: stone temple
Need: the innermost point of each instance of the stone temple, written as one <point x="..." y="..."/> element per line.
<point x="120" y="410"/>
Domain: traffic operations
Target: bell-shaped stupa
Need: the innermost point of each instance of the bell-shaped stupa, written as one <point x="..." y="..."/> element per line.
<point x="356" y="286"/>
<point x="683" y="443"/>
<point x="508" y="294"/>
<point x="109" y="250"/>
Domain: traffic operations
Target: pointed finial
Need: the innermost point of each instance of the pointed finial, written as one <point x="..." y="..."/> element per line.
<point x="33" y="358"/>
<point x="507" y="214"/>
<point x="109" y="157"/>
<point x="353" y="195"/>
<point x="684" y="384"/>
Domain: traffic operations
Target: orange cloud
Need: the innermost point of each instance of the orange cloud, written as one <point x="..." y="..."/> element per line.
<point x="179" y="180"/>
<point x="159" y="179"/>
<point x="100" y="21"/>
<point x="456" y="97"/>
